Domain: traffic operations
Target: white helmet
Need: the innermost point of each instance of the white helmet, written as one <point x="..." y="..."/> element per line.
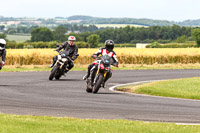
<point x="2" y="44"/>
<point x="71" y="38"/>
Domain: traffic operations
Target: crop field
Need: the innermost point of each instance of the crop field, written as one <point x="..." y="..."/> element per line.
<point x="18" y="38"/>
<point x="117" y="25"/>
<point x="124" y="55"/>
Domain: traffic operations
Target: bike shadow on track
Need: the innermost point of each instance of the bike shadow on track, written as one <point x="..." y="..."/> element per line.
<point x="10" y="85"/>
<point x="107" y="93"/>
<point x="68" y="80"/>
<point x="5" y="85"/>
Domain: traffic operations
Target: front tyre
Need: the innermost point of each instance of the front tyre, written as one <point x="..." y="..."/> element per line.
<point x="97" y="85"/>
<point x="57" y="76"/>
<point x="53" y="72"/>
<point x="88" y="90"/>
<point x="88" y="87"/>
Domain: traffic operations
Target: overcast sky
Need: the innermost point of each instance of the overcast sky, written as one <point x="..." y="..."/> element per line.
<point x="176" y="10"/>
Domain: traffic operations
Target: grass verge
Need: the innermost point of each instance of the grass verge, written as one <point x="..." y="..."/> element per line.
<point x="79" y="67"/>
<point x="48" y="124"/>
<point x="19" y="38"/>
<point x="188" y="88"/>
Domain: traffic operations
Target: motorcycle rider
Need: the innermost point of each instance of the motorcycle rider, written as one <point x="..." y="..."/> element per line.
<point x="2" y="52"/>
<point x="108" y="49"/>
<point x="70" y="47"/>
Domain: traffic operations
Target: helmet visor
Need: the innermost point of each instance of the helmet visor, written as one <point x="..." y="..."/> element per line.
<point x="110" y="47"/>
<point x="2" y="45"/>
<point x="71" y="42"/>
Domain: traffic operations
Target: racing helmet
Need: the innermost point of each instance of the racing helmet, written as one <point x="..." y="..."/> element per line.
<point x="2" y="44"/>
<point x="109" y="45"/>
<point x="71" y="40"/>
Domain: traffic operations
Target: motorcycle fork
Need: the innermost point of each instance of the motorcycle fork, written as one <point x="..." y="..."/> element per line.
<point x="93" y="75"/>
<point x="57" y="64"/>
<point x="105" y="74"/>
<point x="96" y="76"/>
<point x="61" y="66"/>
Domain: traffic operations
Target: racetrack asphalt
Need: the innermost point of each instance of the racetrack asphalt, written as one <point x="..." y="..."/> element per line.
<point x="31" y="93"/>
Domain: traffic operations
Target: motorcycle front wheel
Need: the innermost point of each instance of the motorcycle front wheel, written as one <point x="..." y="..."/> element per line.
<point x="53" y="71"/>
<point x="57" y="76"/>
<point x="89" y="87"/>
<point x="97" y="85"/>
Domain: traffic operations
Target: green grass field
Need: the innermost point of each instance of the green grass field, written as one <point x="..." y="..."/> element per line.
<point x="18" y="38"/>
<point x="48" y="124"/>
<point x="188" y="88"/>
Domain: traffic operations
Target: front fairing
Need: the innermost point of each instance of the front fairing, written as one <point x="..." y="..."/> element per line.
<point x="106" y="59"/>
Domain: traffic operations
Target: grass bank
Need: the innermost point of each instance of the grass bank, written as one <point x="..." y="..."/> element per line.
<point x="79" y="67"/>
<point x="188" y="88"/>
<point x="18" y="38"/>
<point x="47" y="124"/>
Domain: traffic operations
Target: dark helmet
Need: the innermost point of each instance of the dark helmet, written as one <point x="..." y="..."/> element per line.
<point x="109" y="45"/>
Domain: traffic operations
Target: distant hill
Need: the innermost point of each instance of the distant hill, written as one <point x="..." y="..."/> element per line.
<point x="89" y="20"/>
<point x="79" y="17"/>
<point x="190" y="23"/>
<point x="144" y="21"/>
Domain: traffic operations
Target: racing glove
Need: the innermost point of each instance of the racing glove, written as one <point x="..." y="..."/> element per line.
<point x="2" y="64"/>
<point x="94" y="56"/>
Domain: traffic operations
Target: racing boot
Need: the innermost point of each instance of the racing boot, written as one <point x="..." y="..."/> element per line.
<point x="51" y="65"/>
<point x="103" y="85"/>
<point x="66" y="70"/>
<point x="54" y="62"/>
<point x="86" y="76"/>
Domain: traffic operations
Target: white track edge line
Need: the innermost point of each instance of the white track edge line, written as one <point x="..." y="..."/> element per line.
<point x="148" y="81"/>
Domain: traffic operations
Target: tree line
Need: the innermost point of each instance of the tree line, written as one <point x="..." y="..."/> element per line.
<point x="161" y="34"/>
<point x="70" y="27"/>
<point x="120" y="35"/>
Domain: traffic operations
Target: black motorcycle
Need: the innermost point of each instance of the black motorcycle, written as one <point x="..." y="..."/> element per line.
<point x="98" y="73"/>
<point x="61" y="65"/>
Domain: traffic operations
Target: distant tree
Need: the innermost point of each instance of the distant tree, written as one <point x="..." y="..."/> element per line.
<point x="31" y="28"/>
<point x="130" y="34"/>
<point x="154" y="45"/>
<point x="41" y="34"/>
<point x="93" y="40"/>
<point x="11" y="31"/>
<point x="84" y="35"/>
<point x="92" y="28"/>
<point x="59" y="33"/>
<point x="22" y="29"/>
<point x="2" y="27"/>
<point x="196" y="35"/>
<point x="3" y="36"/>
<point x="181" y="39"/>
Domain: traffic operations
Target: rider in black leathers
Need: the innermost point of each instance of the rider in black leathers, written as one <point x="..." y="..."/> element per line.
<point x="68" y="47"/>
<point x="2" y="52"/>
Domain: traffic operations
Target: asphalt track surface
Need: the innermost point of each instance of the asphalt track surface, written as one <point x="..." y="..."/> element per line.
<point x="31" y="93"/>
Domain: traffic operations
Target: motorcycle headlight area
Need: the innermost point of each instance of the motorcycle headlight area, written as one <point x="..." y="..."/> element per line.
<point x="64" y="59"/>
<point x="59" y="57"/>
<point x="107" y="63"/>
